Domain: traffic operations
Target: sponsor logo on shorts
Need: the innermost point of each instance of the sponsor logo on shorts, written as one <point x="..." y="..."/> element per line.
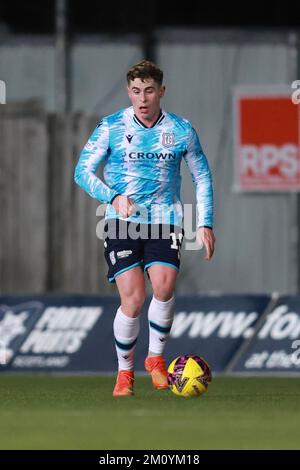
<point x="124" y="253"/>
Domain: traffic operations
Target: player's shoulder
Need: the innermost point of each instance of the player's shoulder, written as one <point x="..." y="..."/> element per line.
<point x="116" y="118"/>
<point x="179" y="121"/>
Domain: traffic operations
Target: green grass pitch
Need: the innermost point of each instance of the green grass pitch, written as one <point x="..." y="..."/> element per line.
<point x="78" y="412"/>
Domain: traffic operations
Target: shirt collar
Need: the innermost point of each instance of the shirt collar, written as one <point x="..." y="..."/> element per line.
<point x="156" y="123"/>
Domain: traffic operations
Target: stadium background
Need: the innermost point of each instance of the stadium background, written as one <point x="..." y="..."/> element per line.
<point x="64" y="66"/>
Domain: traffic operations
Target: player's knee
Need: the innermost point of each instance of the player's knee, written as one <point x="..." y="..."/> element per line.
<point x="132" y="304"/>
<point x="163" y="291"/>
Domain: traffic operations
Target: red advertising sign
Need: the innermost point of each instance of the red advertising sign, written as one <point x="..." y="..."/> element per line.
<point x="267" y="141"/>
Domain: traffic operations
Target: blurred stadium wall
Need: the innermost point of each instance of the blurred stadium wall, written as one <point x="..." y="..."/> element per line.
<point x="48" y="225"/>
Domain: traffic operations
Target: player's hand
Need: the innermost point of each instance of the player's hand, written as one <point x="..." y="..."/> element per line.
<point x="124" y="206"/>
<point x="206" y="236"/>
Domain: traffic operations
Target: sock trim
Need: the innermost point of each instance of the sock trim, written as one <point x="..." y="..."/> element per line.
<point x="125" y="318"/>
<point x="159" y="328"/>
<point x="125" y="347"/>
<point x="163" y="302"/>
<point x="160" y="262"/>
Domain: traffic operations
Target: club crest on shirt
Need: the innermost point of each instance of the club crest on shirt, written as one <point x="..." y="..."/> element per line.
<point x="168" y="139"/>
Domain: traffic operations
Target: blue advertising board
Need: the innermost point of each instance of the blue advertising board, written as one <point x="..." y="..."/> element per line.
<point x="74" y="333"/>
<point x="214" y="327"/>
<point x="275" y="348"/>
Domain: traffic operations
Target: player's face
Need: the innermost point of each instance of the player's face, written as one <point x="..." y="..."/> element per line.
<point x="145" y="98"/>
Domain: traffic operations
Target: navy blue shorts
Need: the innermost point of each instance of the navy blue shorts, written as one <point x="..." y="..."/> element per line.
<point x="128" y="244"/>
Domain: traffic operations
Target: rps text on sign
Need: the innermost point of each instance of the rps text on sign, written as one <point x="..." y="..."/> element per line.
<point x="267" y="141"/>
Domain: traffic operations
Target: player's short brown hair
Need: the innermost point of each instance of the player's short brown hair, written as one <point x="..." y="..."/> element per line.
<point x="144" y="70"/>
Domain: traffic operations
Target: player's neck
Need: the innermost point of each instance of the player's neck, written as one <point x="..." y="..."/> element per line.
<point x="149" y="122"/>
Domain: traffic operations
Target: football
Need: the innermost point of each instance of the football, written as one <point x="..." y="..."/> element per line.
<point x="189" y="376"/>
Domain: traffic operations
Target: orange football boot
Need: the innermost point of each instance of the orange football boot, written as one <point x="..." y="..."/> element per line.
<point x="124" y="384"/>
<point x="156" y="367"/>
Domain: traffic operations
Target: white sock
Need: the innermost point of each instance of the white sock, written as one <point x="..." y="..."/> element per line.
<point x="160" y="317"/>
<point x="126" y="330"/>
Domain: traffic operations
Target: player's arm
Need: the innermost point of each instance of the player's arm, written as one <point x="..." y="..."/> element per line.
<point x="93" y="153"/>
<point x="202" y="178"/>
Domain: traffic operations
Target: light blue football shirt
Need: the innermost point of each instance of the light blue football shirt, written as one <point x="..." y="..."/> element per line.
<point x="144" y="164"/>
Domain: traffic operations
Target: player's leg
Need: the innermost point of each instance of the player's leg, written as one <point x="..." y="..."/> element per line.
<point x="131" y="287"/>
<point x="162" y="262"/>
<point x="163" y="280"/>
<point x="161" y="309"/>
<point x="124" y="258"/>
<point x="160" y="317"/>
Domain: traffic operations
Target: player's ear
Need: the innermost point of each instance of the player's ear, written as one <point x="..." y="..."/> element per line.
<point x="162" y="91"/>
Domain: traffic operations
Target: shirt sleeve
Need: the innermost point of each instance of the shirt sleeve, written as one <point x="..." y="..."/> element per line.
<point x="93" y="153"/>
<point x="202" y="178"/>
